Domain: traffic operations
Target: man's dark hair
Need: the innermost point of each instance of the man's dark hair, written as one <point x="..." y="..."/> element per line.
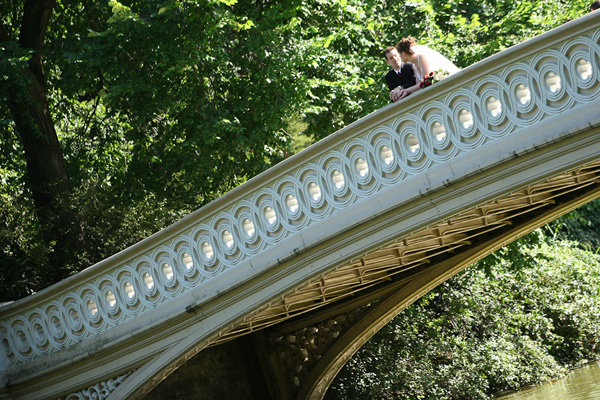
<point x="388" y="50"/>
<point x="595" y="6"/>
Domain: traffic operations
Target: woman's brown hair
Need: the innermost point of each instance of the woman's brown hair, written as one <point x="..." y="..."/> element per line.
<point x="405" y="44"/>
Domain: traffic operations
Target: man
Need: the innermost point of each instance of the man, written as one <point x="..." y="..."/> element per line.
<point x="401" y="78"/>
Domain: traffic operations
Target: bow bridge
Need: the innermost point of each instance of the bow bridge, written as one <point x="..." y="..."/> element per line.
<point x="272" y="287"/>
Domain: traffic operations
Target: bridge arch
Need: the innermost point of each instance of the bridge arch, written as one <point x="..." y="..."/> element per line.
<point x="332" y="361"/>
<point x="483" y="229"/>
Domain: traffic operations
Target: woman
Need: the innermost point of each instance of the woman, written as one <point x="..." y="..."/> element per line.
<point x="424" y="59"/>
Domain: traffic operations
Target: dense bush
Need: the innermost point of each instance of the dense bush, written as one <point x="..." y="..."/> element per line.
<point x="485" y="330"/>
<point x="579" y="226"/>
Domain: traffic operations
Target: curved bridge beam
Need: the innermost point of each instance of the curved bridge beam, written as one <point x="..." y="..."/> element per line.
<point x="519" y="117"/>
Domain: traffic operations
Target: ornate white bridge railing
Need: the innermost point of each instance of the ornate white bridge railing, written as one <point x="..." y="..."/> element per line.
<point x="502" y="96"/>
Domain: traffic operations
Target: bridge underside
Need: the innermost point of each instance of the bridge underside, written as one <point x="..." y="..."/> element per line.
<point x="303" y="338"/>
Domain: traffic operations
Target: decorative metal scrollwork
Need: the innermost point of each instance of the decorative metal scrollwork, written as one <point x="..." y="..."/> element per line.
<point x="99" y="391"/>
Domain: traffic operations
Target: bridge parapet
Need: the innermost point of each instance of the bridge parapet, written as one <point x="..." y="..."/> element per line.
<point x="516" y="96"/>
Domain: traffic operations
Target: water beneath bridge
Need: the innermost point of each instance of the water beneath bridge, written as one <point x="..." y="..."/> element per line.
<point x="580" y="384"/>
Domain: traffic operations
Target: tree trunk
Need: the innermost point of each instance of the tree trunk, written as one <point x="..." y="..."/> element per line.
<point x="45" y="163"/>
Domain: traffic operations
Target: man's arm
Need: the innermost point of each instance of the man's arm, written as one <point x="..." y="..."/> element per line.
<point x="400" y="94"/>
<point x="393" y="85"/>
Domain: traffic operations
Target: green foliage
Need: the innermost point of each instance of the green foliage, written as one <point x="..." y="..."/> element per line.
<point x="485" y="331"/>
<point x="579" y="226"/>
<point x="162" y="106"/>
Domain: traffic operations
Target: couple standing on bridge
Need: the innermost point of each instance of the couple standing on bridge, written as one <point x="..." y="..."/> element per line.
<point x="414" y="66"/>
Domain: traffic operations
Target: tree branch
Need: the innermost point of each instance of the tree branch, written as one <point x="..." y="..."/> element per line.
<point x="36" y="15"/>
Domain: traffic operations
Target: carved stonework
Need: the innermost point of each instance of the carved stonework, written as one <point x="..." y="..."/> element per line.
<point x="298" y="352"/>
<point x="99" y="391"/>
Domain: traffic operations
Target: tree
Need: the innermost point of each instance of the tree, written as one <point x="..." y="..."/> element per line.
<point x="48" y="181"/>
<point x="161" y="106"/>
